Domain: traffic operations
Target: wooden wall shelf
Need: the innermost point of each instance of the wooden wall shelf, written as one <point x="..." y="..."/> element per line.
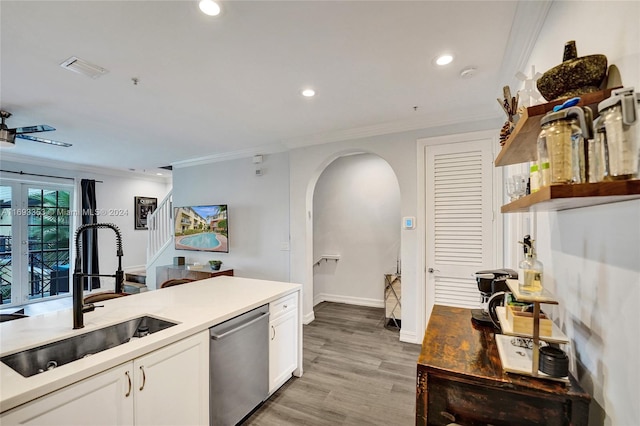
<point x="564" y="197"/>
<point x="521" y="146"/>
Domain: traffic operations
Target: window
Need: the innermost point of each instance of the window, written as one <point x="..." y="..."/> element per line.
<point x="34" y="241"/>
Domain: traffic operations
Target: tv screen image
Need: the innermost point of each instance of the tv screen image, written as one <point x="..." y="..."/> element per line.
<point x="201" y="228"/>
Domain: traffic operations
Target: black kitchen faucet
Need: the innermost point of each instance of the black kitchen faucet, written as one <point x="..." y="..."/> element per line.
<point x="79" y="308"/>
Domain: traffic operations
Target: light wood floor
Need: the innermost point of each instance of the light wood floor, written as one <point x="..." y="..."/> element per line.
<point x="356" y="372"/>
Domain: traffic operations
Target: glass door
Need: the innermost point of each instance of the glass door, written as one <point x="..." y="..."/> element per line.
<point x="35" y="236"/>
<point x="48" y="241"/>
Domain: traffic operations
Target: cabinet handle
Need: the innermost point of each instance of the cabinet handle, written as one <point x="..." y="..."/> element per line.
<point x="144" y="377"/>
<point x="284" y="307"/>
<point x="274" y="332"/>
<point x="128" y="380"/>
<point x="450" y="417"/>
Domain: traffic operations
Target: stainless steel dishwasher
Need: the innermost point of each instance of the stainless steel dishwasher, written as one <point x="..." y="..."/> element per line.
<point x="239" y="366"/>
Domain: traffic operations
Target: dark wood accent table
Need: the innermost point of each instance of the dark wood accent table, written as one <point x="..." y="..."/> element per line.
<point x="460" y="379"/>
<point x="169" y="272"/>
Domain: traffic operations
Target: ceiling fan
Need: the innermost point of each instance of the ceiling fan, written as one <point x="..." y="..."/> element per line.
<point x="8" y="136"/>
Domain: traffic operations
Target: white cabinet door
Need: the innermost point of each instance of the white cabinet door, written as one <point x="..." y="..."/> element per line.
<point x="170" y="387"/>
<point x="172" y="384"/>
<point x="104" y="399"/>
<point x="283" y="348"/>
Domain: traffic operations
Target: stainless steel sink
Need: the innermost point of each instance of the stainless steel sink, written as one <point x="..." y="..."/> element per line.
<point x="52" y="355"/>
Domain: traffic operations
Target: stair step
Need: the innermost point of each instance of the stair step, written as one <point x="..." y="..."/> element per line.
<point x="136" y="277"/>
<point x="133" y="287"/>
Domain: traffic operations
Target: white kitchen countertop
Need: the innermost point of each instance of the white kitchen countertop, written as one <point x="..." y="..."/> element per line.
<point x="194" y="306"/>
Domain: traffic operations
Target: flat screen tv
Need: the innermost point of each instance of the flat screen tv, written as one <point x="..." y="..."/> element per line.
<point x="201" y="228"/>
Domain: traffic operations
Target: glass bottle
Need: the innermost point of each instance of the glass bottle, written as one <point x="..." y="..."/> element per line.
<point x="586" y="127"/>
<point x="534" y="178"/>
<point x="596" y="152"/>
<point x="530" y="270"/>
<point x="543" y="158"/>
<point x="545" y="174"/>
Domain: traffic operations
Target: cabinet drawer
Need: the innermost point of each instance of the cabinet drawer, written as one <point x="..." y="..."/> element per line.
<point x="284" y="304"/>
<point x="467" y="404"/>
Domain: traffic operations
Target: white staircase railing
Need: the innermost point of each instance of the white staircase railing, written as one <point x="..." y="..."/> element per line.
<point x="160" y="224"/>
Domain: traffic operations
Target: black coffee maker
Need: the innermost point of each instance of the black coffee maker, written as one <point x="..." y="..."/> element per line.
<point x="489" y="283"/>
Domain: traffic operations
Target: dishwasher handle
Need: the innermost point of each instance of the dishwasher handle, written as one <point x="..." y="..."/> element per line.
<point x="216" y="336"/>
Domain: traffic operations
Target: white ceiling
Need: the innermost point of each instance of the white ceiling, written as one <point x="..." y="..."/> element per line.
<point x="230" y="85"/>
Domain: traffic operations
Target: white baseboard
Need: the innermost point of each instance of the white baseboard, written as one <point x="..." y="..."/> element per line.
<point x="308" y="318"/>
<point x="409" y="337"/>
<point x="360" y="301"/>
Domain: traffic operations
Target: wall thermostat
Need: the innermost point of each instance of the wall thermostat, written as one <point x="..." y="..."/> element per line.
<point x="409" y="222"/>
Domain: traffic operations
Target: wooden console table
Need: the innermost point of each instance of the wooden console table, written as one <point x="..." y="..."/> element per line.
<point x="460" y="379"/>
<point x="169" y="272"/>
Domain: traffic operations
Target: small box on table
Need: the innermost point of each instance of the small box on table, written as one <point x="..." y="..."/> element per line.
<point x="522" y="322"/>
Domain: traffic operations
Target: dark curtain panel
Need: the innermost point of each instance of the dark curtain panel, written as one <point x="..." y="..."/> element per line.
<point x="90" y="236"/>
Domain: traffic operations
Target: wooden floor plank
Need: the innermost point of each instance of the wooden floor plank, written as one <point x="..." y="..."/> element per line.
<point x="356" y="372"/>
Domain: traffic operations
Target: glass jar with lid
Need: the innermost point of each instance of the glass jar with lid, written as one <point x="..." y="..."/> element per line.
<point x="619" y="115"/>
<point x="561" y="144"/>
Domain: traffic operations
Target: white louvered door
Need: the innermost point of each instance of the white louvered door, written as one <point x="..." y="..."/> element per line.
<point x="459" y="219"/>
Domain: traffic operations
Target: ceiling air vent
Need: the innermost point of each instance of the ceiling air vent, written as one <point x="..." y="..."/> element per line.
<point x="83" y="67"/>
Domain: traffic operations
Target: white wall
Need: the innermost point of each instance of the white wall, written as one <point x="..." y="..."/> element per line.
<point x="399" y="150"/>
<point x="356" y="206"/>
<point x="115" y="198"/>
<point x="257" y="208"/>
<point x="591" y="255"/>
<point x="117" y="193"/>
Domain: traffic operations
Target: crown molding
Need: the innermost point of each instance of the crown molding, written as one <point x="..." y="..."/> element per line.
<point x="232" y="155"/>
<point x="525" y="29"/>
<point x="70" y="168"/>
<point x="419" y="123"/>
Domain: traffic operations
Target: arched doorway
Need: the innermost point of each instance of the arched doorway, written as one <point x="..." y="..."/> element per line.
<point x="356" y="216"/>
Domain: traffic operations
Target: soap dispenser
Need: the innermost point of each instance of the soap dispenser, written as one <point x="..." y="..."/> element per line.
<point x="530" y="269"/>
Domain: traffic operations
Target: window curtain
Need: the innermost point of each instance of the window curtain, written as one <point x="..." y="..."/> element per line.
<point x="90" y="236"/>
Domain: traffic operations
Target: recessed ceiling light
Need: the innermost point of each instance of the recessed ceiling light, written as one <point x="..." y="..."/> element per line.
<point x="308" y="93"/>
<point x="209" y="7"/>
<point x="444" y="59"/>
<point x="158" y="174"/>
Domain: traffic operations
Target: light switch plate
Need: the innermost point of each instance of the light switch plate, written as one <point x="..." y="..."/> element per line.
<point x="408" y="222"/>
